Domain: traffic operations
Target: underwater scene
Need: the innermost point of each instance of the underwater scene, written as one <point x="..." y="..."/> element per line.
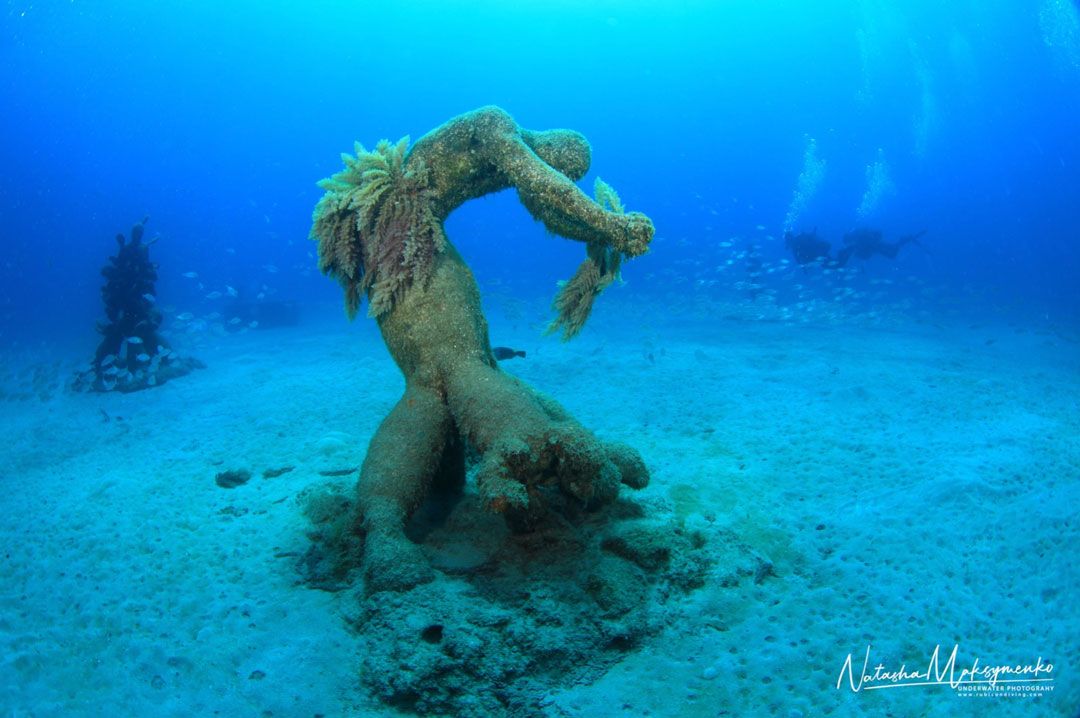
<point x="668" y="358"/>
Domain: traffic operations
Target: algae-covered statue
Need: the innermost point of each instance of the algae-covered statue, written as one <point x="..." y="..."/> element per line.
<point x="380" y="233"/>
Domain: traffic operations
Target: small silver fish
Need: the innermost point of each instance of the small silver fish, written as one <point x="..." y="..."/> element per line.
<point x="150" y="298"/>
<point x="214" y="295"/>
<point x="134" y="340"/>
<point x="253" y="324"/>
<point x="230" y="291"/>
<point x="234" y="320"/>
<point x="108" y="359"/>
<point x="142" y="357"/>
<point x="191" y="275"/>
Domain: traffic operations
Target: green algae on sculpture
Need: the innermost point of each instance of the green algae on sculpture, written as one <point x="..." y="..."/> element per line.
<point x="374" y="225"/>
<point x="574" y="302"/>
<point x="380" y="233"/>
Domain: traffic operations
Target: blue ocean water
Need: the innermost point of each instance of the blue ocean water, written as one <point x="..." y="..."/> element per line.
<point x="728" y="123"/>
<point x="216" y="120"/>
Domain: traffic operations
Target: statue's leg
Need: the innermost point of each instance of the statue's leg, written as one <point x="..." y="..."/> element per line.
<point x="530" y="446"/>
<point x="404" y="457"/>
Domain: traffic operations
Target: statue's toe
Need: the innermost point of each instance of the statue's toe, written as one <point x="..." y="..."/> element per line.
<point x="632" y="469"/>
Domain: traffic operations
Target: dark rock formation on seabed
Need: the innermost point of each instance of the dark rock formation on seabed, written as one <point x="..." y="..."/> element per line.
<point x="131" y="355"/>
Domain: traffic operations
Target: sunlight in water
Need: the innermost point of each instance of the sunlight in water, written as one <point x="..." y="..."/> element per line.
<point x="879" y="185"/>
<point x="813" y="172"/>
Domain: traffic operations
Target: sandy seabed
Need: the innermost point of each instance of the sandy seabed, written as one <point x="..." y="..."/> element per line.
<point x="911" y="487"/>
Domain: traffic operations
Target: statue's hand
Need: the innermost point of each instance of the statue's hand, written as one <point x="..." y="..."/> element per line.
<point x="638" y="234"/>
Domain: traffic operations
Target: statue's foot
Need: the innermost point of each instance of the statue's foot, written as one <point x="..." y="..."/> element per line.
<point x="583" y="467"/>
<point x="517" y="476"/>
<point x="394" y="563"/>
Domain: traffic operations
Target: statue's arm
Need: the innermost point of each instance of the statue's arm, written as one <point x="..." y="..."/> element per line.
<point x="554" y="199"/>
<point x="485" y="151"/>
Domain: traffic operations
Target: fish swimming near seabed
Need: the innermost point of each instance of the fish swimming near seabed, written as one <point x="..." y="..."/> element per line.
<point x="502" y="353"/>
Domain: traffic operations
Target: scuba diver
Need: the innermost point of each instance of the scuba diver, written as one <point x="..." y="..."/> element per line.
<point x="865" y="243"/>
<point x="808" y="248"/>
